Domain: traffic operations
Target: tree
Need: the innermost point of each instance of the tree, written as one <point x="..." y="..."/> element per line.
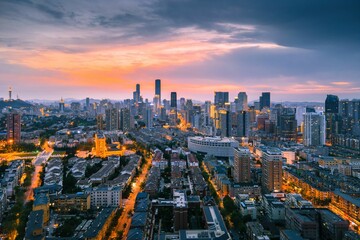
<point x="229" y="204"/>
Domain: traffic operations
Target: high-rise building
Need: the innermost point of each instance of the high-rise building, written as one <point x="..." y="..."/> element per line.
<point x="173" y="109"/>
<point x="314" y="129"/>
<point x="100" y="122"/>
<point x="242" y="169"/>
<point x="332" y="116"/>
<point x="271" y="170"/>
<point x="136" y="94"/>
<point x="242" y="102"/>
<point x="243" y="124"/>
<point x="225" y="123"/>
<point x="125" y="120"/>
<point x="173" y="102"/>
<point x="287" y="124"/>
<point x="182" y="103"/>
<point x="112" y="119"/>
<point x="149" y="117"/>
<point x="87" y="104"/>
<point x="265" y="100"/>
<point x="349" y="111"/>
<point x="332" y="104"/>
<point x="220" y="98"/>
<point x="13" y="127"/>
<point x="158" y="89"/>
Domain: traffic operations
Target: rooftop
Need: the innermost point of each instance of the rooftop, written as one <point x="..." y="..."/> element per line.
<point x="98" y="223"/>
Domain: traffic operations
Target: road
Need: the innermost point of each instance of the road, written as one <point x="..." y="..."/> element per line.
<point x="35" y="180"/>
<point x="125" y="218"/>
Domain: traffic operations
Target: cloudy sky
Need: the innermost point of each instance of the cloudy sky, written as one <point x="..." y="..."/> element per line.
<point x="298" y="50"/>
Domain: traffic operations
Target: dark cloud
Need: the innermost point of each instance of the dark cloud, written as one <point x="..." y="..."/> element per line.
<point x="296" y="23"/>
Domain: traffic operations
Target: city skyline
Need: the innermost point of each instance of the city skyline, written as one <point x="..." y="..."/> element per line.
<point x="294" y="50"/>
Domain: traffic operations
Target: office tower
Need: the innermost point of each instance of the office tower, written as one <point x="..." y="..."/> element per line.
<point x="87" y="102"/>
<point x="314" y="129"/>
<point x="265" y="100"/>
<point x="125" y="120"/>
<point x="332" y="116"/>
<point x="158" y="89"/>
<point x="13" y="127"/>
<point x="100" y="145"/>
<point x="243" y="124"/>
<point x="220" y="98"/>
<point x="287" y="124"/>
<point x="138" y="90"/>
<point x="100" y="122"/>
<point x="149" y="117"/>
<point x="136" y="94"/>
<point x="112" y="119"/>
<point x="173" y="109"/>
<point x="242" y="169"/>
<point x="225" y="123"/>
<point x="242" y="102"/>
<point x="271" y="170"/>
<point x="173" y="103"/>
<point x="61" y="105"/>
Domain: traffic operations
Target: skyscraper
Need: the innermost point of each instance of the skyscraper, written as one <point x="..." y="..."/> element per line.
<point x="13" y="127"/>
<point x="149" y="117"/>
<point x="158" y="88"/>
<point x="242" y="102"/>
<point x="265" y="100"/>
<point x="173" y="103"/>
<point x="314" y="129"/>
<point x="137" y="94"/>
<point x="332" y="104"/>
<point x="271" y="170"/>
<point x="243" y="124"/>
<point x="332" y="116"/>
<point x="242" y="170"/>
<point x="173" y="109"/>
<point x="225" y="123"/>
<point x="287" y="124"/>
<point x="87" y="104"/>
<point x="220" y="98"/>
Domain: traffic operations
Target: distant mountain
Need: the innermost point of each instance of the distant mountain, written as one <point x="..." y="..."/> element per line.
<point x="15" y="104"/>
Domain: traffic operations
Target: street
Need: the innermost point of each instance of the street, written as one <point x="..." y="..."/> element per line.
<point x="125" y="218"/>
<point x="35" y="180"/>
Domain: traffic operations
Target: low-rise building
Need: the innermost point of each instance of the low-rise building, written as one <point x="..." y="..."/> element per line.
<point x="100" y="225"/>
<point x="67" y="202"/>
<point x="34" y="227"/>
<point x="105" y="196"/>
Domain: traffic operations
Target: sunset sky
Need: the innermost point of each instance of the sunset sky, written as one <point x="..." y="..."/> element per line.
<point x="298" y="50"/>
